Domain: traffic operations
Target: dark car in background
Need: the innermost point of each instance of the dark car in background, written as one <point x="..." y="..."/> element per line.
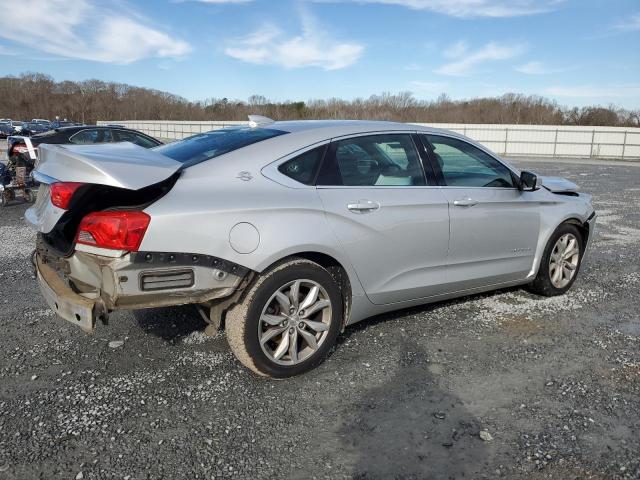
<point x="17" y="126"/>
<point x="65" y="123"/>
<point x="34" y="128"/>
<point x="18" y="147"/>
<point x="10" y="127"/>
<point x="6" y="129"/>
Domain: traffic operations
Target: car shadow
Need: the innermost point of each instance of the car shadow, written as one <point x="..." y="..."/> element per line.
<point x="408" y="427"/>
<point x="170" y="323"/>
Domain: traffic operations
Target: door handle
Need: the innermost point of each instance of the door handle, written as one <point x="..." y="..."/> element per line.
<point x="363" y="206"/>
<point x="465" y="202"/>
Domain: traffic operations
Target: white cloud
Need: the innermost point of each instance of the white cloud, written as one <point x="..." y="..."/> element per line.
<point x="312" y="48"/>
<point x="464" y="61"/>
<point x="456" y="50"/>
<point x="532" y="68"/>
<point x="474" y="8"/>
<point x="89" y="31"/>
<point x="632" y="24"/>
<point x="539" y="68"/>
<point x="590" y="91"/>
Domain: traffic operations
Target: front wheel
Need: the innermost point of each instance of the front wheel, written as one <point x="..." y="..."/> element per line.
<point x="288" y="321"/>
<point x="560" y="262"/>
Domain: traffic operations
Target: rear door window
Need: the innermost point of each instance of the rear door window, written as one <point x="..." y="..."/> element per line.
<point x="373" y="160"/>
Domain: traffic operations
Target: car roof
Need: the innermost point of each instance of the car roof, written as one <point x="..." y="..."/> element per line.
<point x="303" y="134"/>
<point x="344" y="127"/>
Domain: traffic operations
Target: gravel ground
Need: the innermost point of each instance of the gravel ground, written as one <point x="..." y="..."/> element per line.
<point x="501" y="385"/>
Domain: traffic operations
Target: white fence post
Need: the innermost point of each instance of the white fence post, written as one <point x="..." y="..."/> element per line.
<point x="555" y="143"/>
<point x="506" y="140"/>
<point x="593" y="136"/>
<point x="624" y="144"/>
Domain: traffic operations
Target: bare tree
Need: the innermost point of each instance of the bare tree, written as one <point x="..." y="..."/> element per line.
<point x="32" y="95"/>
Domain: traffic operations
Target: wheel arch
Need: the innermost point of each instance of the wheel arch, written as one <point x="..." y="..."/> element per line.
<point x="337" y="270"/>
<point x="583" y="228"/>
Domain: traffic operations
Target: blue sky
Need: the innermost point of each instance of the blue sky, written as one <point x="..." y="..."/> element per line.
<point x="578" y="52"/>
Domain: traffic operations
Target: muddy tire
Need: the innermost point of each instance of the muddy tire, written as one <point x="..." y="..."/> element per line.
<point x="287" y="321"/>
<point x="560" y="262"/>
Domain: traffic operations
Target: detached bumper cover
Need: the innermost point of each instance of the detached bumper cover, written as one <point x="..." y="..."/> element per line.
<point x="74" y="308"/>
<point x="86" y="287"/>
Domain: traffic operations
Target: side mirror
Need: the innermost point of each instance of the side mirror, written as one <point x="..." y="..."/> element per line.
<point x="529" y="182"/>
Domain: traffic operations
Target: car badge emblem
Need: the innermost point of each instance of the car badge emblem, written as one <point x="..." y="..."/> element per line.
<point x="245" y="176"/>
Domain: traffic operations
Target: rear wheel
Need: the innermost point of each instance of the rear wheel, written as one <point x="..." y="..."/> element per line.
<point x="560" y="262"/>
<point x="288" y="321"/>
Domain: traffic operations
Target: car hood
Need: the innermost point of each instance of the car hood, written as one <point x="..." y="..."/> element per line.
<point x="559" y="185"/>
<point x="123" y="165"/>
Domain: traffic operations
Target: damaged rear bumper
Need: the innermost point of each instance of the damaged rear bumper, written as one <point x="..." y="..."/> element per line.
<point x="73" y="307"/>
<point x="85" y="287"/>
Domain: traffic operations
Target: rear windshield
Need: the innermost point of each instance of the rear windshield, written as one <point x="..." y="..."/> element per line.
<point x="205" y="146"/>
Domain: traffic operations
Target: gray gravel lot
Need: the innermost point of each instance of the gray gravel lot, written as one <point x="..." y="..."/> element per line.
<point x="554" y="381"/>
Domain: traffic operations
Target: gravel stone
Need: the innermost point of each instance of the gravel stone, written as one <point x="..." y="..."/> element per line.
<point x="486" y="436"/>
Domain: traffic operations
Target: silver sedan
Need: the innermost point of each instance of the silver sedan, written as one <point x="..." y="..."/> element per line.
<point x="286" y="232"/>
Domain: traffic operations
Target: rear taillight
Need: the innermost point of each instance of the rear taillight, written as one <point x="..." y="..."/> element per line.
<point x="62" y="192"/>
<point x="118" y="230"/>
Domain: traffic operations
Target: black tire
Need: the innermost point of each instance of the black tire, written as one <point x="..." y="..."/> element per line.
<point x="242" y="321"/>
<point x="5" y="198"/>
<point x="28" y="196"/>
<point x="542" y="284"/>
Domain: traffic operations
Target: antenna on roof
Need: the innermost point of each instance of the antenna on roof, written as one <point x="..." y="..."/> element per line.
<point x="257" y="120"/>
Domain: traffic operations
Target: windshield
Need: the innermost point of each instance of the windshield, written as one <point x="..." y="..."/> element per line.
<point x="205" y="146"/>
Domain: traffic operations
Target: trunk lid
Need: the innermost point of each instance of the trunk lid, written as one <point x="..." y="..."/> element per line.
<point x="121" y="165"/>
<point x="116" y="176"/>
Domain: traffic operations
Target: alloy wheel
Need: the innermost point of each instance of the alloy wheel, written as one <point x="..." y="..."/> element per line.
<point x="295" y="322"/>
<point x="563" y="262"/>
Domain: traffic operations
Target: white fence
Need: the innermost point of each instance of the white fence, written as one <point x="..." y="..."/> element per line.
<point x="507" y="140"/>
